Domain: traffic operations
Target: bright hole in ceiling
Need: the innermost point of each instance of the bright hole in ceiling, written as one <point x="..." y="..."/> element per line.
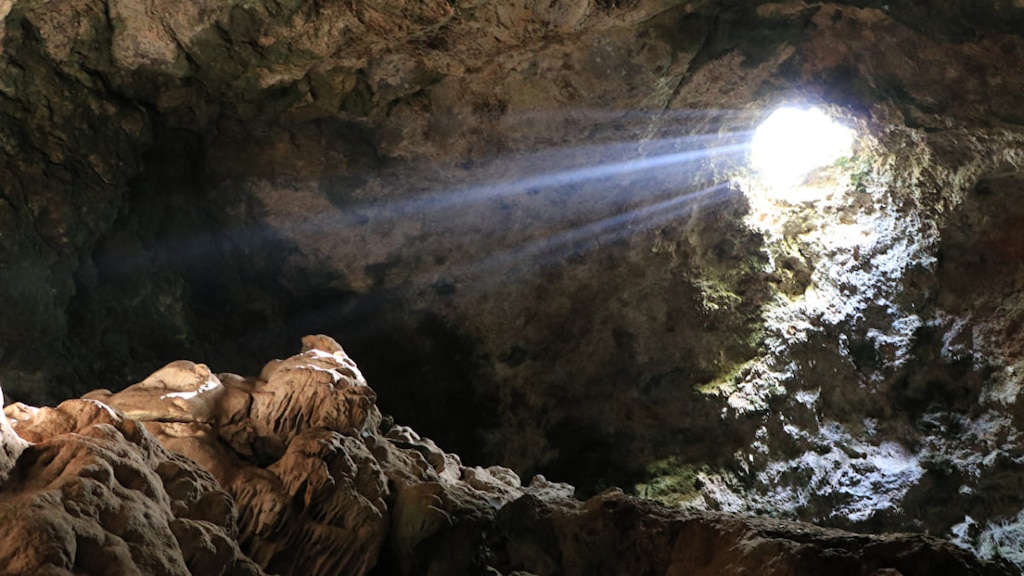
<point x="792" y="142"/>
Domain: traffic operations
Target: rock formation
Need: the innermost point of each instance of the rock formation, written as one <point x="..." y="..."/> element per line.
<point x="95" y="493"/>
<point x="295" y="472"/>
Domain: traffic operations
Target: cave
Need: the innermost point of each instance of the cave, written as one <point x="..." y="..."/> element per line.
<point x="548" y="238"/>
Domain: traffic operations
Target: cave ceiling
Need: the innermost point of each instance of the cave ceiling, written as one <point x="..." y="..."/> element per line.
<point x="534" y="227"/>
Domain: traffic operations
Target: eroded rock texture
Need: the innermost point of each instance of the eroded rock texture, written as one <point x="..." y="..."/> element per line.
<point x="295" y="473"/>
<point x="288" y="450"/>
<point x="535" y="225"/>
<point x="95" y="493"/>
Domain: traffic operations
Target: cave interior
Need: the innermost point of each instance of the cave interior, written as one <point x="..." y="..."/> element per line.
<point x="541" y="232"/>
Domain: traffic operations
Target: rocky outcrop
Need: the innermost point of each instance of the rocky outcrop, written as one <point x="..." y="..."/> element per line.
<point x="295" y="472"/>
<point x="287" y="447"/>
<point x="95" y="493"/>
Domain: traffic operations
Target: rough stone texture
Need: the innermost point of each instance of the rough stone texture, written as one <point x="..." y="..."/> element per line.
<point x="319" y="488"/>
<point x="533" y="224"/>
<point x="614" y="534"/>
<point x="286" y="446"/>
<point x="95" y="493"/>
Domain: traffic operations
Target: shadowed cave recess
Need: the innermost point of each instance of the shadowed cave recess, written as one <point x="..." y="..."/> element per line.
<point x="538" y="231"/>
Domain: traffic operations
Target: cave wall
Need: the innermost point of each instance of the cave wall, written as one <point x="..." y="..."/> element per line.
<point x="504" y="212"/>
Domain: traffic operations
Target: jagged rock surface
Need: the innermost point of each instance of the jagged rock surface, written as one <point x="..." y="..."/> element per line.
<point x="320" y="487"/>
<point x="615" y="534"/>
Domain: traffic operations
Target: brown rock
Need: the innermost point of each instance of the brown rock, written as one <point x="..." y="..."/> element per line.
<point x="288" y="449"/>
<point x="96" y="494"/>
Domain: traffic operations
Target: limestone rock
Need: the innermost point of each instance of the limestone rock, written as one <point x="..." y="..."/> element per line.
<point x="95" y="493"/>
<point x="319" y="489"/>
<point x="288" y="448"/>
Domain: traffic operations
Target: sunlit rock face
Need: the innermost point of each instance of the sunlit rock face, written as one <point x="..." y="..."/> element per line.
<point x="536" y="229"/>
<point x="191" y="472"/>
<point x="301" y="513"/>
<point x="95" y="493"/>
